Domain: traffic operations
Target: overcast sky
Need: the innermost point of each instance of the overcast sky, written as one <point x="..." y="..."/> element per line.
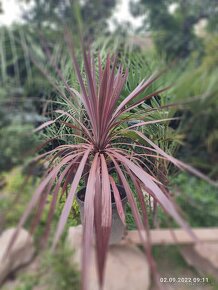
<point x="13" y="11"/>
<point x="122" y="14"/>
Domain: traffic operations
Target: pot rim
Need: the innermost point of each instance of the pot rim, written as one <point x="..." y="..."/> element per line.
<point x="123" y="200"/>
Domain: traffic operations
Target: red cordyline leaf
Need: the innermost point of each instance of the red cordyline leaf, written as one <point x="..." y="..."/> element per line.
<point x="69" y="201"/>
<point x="85" y="98"/>
<point x="53" y="203"/>
<point x="154" y="189"/>
<point x="44" y="125"/>
<point x="90" y="87"/>
<point x="54" y="199"/>
<point x="146" y="225"/>
<point x="60" y="156"/>
<point x="140" y="88"/>
<point x="40" y="208"/>
<point x="114" y="150"/>
<point x="175" y="161"/>
<point x="36" y="196"/>
<point x="141" y="199"/>
<point x="104" y="229"/>
<point x="86" y="131"/>
<point x="118" y="201"/>
<point x="89" y="221"/>
<point x="106" y="193"/>
<point x="145" y="98"/>
<point x="71" y="126"/>
<point x="70" y="174"/>
<point x="150" y="122"/>
<point x="139" y="223"/>
<point x="97" y="222"/>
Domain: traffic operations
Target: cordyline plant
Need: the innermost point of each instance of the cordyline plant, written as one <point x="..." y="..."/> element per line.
<point x="105" y="142"/>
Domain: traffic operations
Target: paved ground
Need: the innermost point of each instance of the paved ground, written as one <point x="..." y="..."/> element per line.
<point x="170" y="264"/>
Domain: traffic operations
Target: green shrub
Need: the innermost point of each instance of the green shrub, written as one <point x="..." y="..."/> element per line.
<point x="16" y="141"/>
<point x="62" y="273"/>
<point x="52" y="272"/>
<point x="197" y="199"/>
<point x="15" y="196"/>
<point x="210" y="59"/>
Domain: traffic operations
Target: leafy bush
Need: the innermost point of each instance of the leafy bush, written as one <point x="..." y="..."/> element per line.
<point x="198" y="86"/>
<point x="62" y="273"/>
<point x="14" y="196"/>
<point x="56" y="272"/>
<point x="210" y="59"/>
<point x="197" y="199"/>
<point x="16" y="141"/>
